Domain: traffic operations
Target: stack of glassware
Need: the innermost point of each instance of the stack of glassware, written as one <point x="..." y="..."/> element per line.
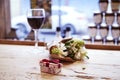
<point x="106" y="27"/>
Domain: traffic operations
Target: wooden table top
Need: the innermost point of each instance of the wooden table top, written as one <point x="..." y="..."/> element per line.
<point x="20" y="62"/>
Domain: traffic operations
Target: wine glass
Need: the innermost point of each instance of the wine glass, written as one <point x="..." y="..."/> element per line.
<point x="104" y="32"/>
<point x="115" y="33"/>
<point x="109" y="18"/>
<point x="97" y="18"/>
<point x="36" y="19"/>
<point x="115" y="5"/>
<point x="92" y="29"/>
<point x="103" y="5"/>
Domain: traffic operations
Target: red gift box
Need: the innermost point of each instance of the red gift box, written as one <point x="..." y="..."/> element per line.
<point x="50" y="66"/>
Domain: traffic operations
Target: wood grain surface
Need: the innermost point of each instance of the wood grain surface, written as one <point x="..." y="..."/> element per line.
<point x="20" y="62"/>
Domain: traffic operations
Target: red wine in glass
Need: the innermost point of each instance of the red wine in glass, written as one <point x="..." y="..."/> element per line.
<point x="36" y="19"/>
<point x="35" y="22"/>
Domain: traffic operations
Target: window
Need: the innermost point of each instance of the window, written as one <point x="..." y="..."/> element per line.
<point x="75" y="14"/>
<point x="77" y="18"/>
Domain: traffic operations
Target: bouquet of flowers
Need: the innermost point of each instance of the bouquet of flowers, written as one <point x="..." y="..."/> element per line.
<point x="69" y="50"/>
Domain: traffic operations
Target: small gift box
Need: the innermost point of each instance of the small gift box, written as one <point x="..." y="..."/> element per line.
<point x="50" y="66"/>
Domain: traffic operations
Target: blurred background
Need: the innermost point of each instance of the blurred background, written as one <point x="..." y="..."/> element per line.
<point x="75" y="14"/>
<point x="95" y="21"/>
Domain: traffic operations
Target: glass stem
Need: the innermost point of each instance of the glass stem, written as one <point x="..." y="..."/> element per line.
<point x="36" y="37"/>
<point x="116" y="41"/>
<point x="109" y="32"/>
<point x="104" y="40"/>
<point x="93" y="40"/>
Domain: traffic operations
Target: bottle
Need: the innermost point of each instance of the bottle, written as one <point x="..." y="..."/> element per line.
<point x="58" y="34"/>
<point x="64" y="33"/>
<point x="56" y="39"/>
<point x="68" y="32"/>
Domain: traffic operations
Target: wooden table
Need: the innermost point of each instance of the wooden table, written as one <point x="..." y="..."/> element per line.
<point x="20" y="62"/>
